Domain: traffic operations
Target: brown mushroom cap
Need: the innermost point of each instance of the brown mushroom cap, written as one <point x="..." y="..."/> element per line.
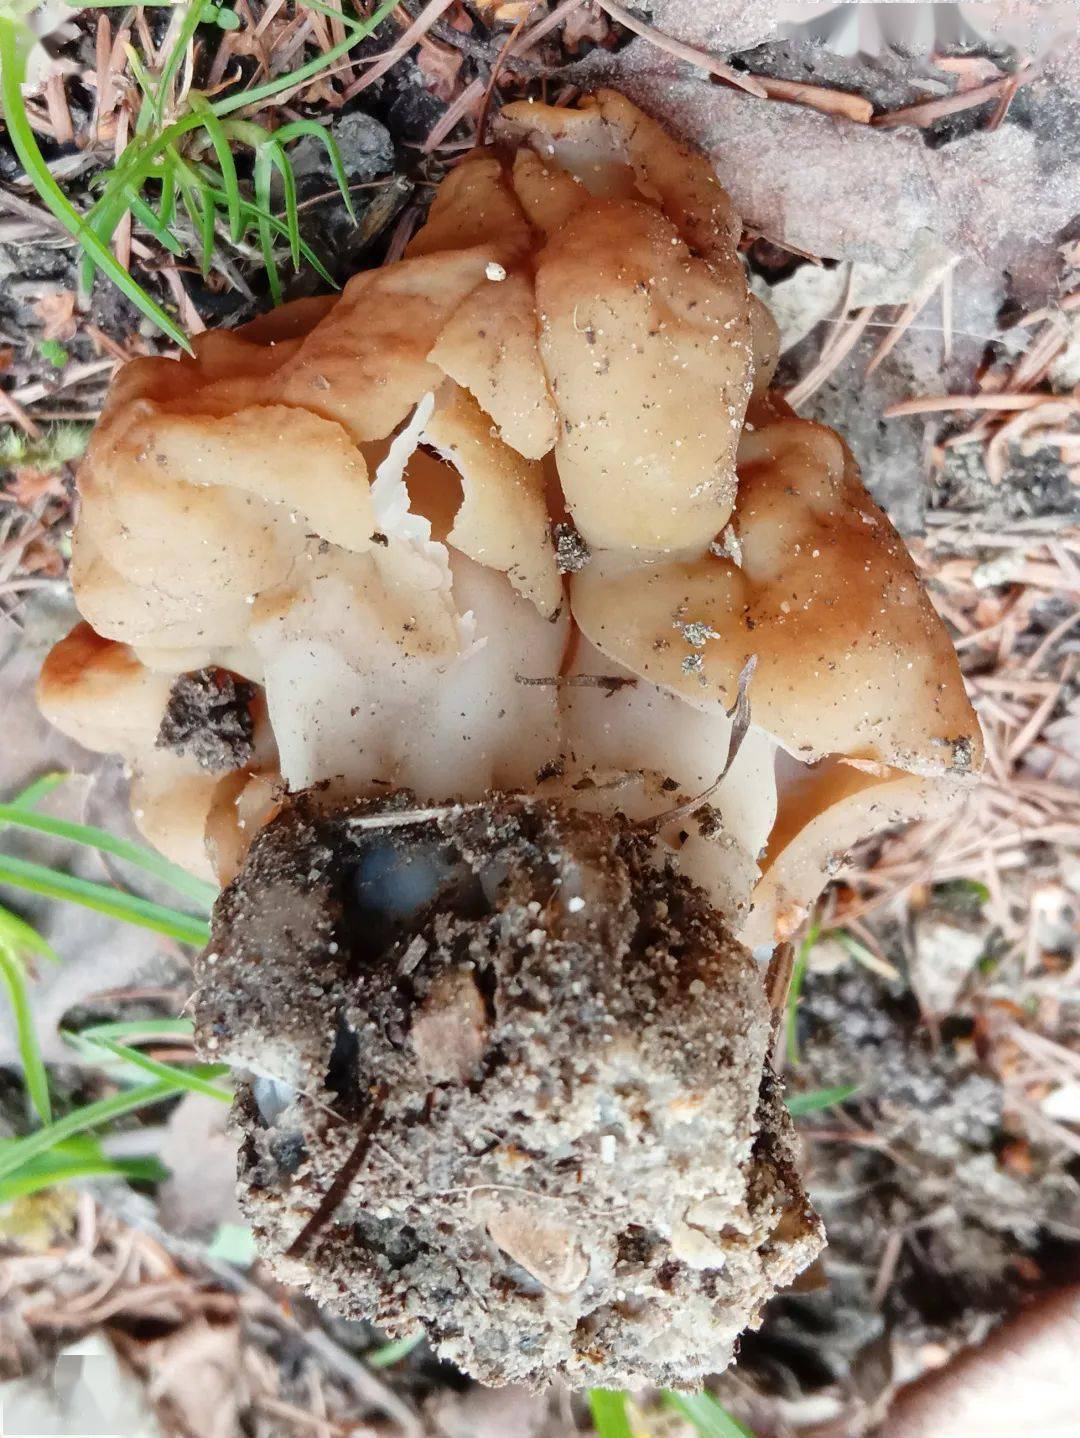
<point x="503" y="519"/>
<point x="649" y="359"/>
<point x="852" y="659"/>
<point x="338" y="502"/>
<point x="97" y="692"/>
<point x="820" y="820"/>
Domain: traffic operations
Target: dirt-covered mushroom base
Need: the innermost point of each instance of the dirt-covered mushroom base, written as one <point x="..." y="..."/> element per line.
<point x="508" y="1081"/>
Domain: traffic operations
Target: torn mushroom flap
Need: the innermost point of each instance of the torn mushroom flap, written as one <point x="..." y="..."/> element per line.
<point x="399" y="667"/>
<point x="853" y="665"/>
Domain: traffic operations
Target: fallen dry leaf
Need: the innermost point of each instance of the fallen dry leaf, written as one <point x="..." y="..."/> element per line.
<point x="30" y="485"/>
<point x="57" y="311"/>
<point x="196" y="1378"/>
<point x="42" y="558"/>
<point x="585" y="25"/>
<point x="440" y="67"/>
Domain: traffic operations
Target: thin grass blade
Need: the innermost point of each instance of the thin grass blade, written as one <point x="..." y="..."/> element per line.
<point x="23" y="937"/>
<point x="149" y="219"/>
<point x="798" y="975"/>
<point x="175" y="57"/>
<point x="33" y="794"/>
<point x="200" y="211"/>
<point x="230" y="182"/>
<point x="39" y="879"/>
<point x="12" y="74"/>
<point x="263" y="220"/>
<point x="94" y="838"/>
<point x="297" y="128"/>
<point x="707" y="1417"/>
<point x="288" y="186"/>
<point x="140" y="1029"/>
<point x="609" y="1415"/>
<point x="194" y="1080"/>
<point x="166" y="210"/>
<point x="53" y="1171"/>
<point x="817" y="1099"/>
<point x="17" y="1152"/>
<point x="34" y="1071"/>
<point x="391" y="1353"/>
<point x="356" y="32"/>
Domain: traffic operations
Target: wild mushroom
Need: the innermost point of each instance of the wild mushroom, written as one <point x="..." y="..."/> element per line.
<point x="476" y="568"/>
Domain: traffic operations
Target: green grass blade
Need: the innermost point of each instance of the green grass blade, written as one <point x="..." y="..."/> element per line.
<point x="609" y="1415"/>
<point x="140" y="1028"/>
<point x="40" y="789"/>
<point x="100" y="839"/>
<point x="194" y="1080"/>
<point x="65" y="1170"/>
<point x="356" y="33"/>
<point x="257" y="212"/>
<point x="23" y="936"/>
<point x="12" y="73"/>
<point x="39" y="879"/>
<point x="817" y="1099"/>
<point x="394" y="1352"/>
<point x="288" y="185"/>
<point x="311" y="127"/>
<point x="230" y="181"/>
<point x="707" y="1417"/>
<point x="149" y="219"/>
<point x="199" y="205"/>
<point x="209" y="215"/>
<point x="263" y="221"/>
<point x="798" y="974"/>
<point x="17" y="1152"/>
<point x="37" y="1078"/>
<point x="143" y="79"/>
<point x="166" y="210"/>
<point x="175" y="58"/>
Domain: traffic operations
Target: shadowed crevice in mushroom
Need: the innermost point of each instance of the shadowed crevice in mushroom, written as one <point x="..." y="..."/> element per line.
<point x="527" y="1088"/>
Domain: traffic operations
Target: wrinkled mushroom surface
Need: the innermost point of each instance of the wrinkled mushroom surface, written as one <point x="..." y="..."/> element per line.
<point x="511" y="516"/>
<point x="323" y="502"/>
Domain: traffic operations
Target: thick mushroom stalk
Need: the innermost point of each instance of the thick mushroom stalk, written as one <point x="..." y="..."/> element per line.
<point x="420" y="615"/>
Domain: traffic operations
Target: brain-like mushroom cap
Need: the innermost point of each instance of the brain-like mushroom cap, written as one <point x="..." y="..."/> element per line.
<point x="339" y="501"/>
<point x="852" y="659"/>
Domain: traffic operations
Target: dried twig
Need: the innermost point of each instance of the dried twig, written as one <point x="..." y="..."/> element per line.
<point x="496" y="70"/>
<point x="909" y="312"/>
<point x="927" y="111"/>
<point x="841" y="344"/>
<point x="401" y="46"/>
<point x="703" y="61"/>
<point x="818" y="97"/>
<point x="934" y="404"/>
<point x="740" y="712"/>
<point x="336" y="1193"/>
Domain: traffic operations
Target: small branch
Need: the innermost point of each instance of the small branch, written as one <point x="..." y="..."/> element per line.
<point x="335" y="1194"/>
<point x="930" y="110"/>
<point x="703" y="61"/>
<point x="740" y="712"/>
<point x="610" y="682"/>
<point x="932" y="404"/>
<point x="818" y="97"/>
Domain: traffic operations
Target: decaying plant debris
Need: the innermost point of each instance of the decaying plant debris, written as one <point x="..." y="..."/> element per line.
<point x="1014" y="619"/>
<point x="351" y="505"/>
